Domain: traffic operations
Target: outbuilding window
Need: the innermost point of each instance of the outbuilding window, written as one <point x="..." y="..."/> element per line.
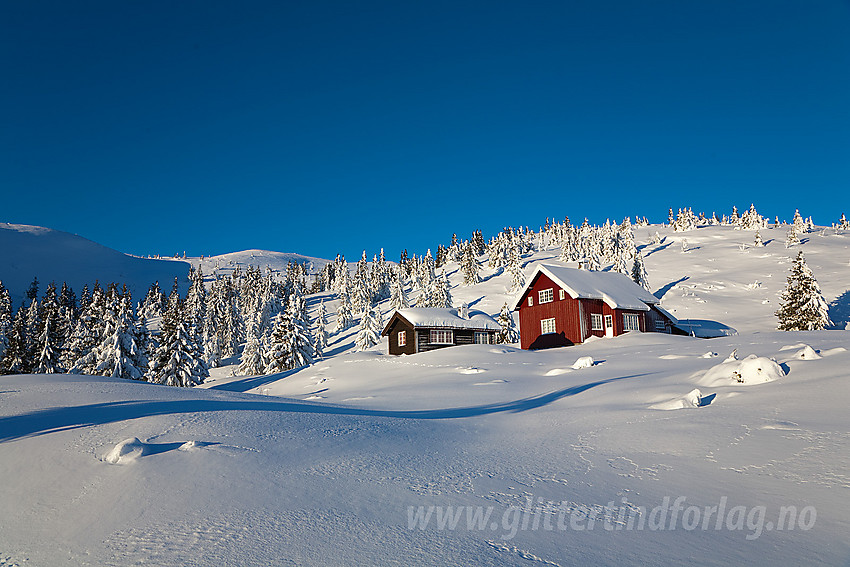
<point x="441" y="337"/>
<point x="545" y="295"/>
<point x="547" y="326"/>
<point x="402" y="338"/>
<point x="482" y="338"/>
<point x="596" y="322"/>
<point x="631" y="322"/>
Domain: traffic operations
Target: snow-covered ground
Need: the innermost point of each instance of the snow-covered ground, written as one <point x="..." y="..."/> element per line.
<point x="575" y="463"/>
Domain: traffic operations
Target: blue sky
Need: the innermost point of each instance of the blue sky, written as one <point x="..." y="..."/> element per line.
<point x="323" y="127"/>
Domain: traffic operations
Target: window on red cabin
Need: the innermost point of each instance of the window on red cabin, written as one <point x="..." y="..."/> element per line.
<point x="530" y="301"/>
<point x="596" y="322"/>
<point x="545" y="295"/>
<point x="561" y="294"/>
<point x="547" y="326"/>
<point x="631" y="322"/>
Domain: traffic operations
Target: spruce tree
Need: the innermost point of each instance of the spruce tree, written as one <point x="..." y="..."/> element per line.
<point x="469" y="265"/>
<point x="398" y="297"/>
<point x="15" y="359"/>
<point x="320" y="342"/>
<point x="508" y="332"/>
<point x="638" y="274"/>
<point x="515" y="270"/>
<point x="178" y="360"/>
<point x="369" y="332"/>
<point x="802" y="307"/>
<point x="253" y="359"/>
<point x="121" y="353"/>
<point x="47" y="347"/>
<point x="6" y="317"/>
<point x="152" y="304"/>
<point x="344" y="317"/>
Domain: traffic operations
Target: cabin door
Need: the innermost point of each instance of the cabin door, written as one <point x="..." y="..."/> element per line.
<point x="609" y="326"/>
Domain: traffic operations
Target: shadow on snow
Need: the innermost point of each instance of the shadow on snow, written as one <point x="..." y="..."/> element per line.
<point x="52" y="420"/>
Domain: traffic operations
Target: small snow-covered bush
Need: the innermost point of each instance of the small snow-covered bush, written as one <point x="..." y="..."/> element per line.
<point x="751" y="370"/>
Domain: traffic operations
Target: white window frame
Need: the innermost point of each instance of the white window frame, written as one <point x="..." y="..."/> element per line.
<point x="631" y="322"/>
<point x="402" y="338"/>
<point x="547" y="326"/>
<point x="545" y="296"/>
<point x="530" y="301"/>
<point x="561" y="294"/>
<point x="596" y="323"/>
<point x="441" y="337"/>
<point x="609" y="321"/>
<point x="481" y="338"/>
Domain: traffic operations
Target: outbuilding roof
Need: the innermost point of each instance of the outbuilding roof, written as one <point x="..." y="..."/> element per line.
<point x="615" y="289"/>
<point x="434" y="318"/>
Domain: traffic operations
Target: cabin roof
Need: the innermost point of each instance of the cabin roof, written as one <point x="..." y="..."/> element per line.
<point x="615" y="289"/>
<point x="422" y="317"/>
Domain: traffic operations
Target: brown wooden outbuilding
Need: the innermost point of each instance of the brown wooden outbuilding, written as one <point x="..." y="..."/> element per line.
<point x="420" y="329"/>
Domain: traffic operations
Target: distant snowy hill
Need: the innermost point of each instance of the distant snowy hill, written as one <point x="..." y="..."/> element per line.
<point x="52" y="255"/>
<point x="277" y="261"/>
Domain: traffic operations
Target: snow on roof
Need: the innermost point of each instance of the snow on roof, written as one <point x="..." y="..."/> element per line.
<point x="615" y="289"/>
<point x="448" y="318"/>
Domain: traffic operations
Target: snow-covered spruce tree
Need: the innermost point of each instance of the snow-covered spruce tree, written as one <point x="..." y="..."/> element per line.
<point x="369" y="331"/>
<point x="398" y="297"/>
<point x="791" y="239"/>
<point x="151" y="306"/>
<point x="15" y="359"/>
<point x="508" y="332"/>
<point x="843" y="224"/>
<point x="290" y="345"/>
<point x="33" y="325"/>
<point x="120" y="354"/>
<point x="802" y="305"/>
<point x="68" y="313"/>
<point x="639" y="275"/>
<point x="47" y="361"/>
<point x="442" y="295"/>
<point x="5" y="318"/>
<point x="320" y="341"/>
<point x="344" y="317"/>
<point x="253" y="359"/>
<point x="178" y="360"/>
<point x="515" y="271"/>
<point x="469" y="266"/>
<point x="798" y="223"/>
<point x="758" y="241"/>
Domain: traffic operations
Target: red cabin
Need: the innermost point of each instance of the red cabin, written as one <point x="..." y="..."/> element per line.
<point x="564" y="306"/>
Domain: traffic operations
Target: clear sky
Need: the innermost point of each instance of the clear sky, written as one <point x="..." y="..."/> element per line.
<point x="332" y="126"/>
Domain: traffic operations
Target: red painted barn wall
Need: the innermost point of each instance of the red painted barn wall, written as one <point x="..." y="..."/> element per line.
<point x="565" y="311"/>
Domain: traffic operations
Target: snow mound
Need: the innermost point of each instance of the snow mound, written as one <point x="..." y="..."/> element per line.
<point x="692" y="399"/>
<point x="470" y="370"/>
<point x="190" y="446"/>
<point x="709" y="354"/>
<point x="807" y="353"/>
<point x="751" y="370"/>
<point x="125" y="452"/>
<point x="556" y="371"/>
<point x="792" y="347"/>
<point x="583" y="362"/>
